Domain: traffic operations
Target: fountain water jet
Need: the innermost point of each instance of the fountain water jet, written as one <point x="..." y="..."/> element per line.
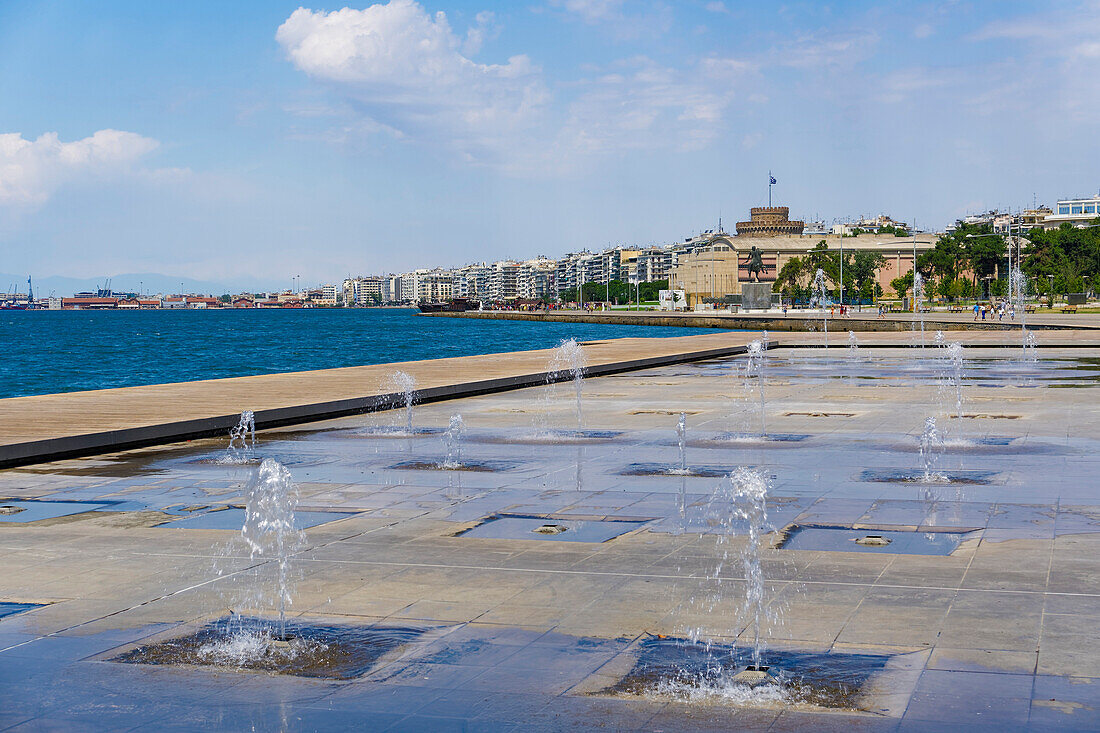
<point x="853" y="351"/>
<point x="821" y="296"/>
<point x="242" y="438"/>
<point x="269" y="532"/>
<point x="954" y="352"/>
<point x="930" y="441"/>
<point x="754" y="366"/>
<point x="406" y="384"/>
<point x="1017" y="284"/>
<point x="681" y="436"/>
<point x="749" y="493"/>
<point x="452" y="440"/>
<point x="569" y="360"/>
<point x="918" y="296"/>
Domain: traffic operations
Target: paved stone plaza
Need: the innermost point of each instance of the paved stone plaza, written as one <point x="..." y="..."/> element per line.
<point x="998" y="631"/>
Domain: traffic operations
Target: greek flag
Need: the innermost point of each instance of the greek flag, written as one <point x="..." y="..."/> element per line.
<point x="771" y="179"/>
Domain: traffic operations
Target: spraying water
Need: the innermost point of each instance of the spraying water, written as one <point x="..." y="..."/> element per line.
<point x="1030" y="342"/>
<point x="755" y="367"/>
<point x="406" y="384"/>
<point x="918" y="296"/>
<point x="568" y="360"/>
<point x="749" y="492"/>
<point x="452" y="440"/>
<point x="1017" y="289"/>
<point x="681" y="437"/>
<point x="269" y="531"/>
<point x="930" y="441"/>
<point x="954" y="353"/>
<point x="242" y="437"/>
<point x="821" y="296"/>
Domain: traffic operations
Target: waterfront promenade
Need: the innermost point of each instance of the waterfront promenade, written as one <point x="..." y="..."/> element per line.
<point x="990" y="629"/>
<point x="793" y="320"/>
<point x="48" y="427"/>
<point x="44" y="427"/>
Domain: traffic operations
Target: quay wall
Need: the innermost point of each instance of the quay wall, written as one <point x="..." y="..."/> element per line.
<point x="755" y="322"/>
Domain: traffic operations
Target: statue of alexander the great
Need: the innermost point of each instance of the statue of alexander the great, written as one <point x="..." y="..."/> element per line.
<point x="756" y="264"/>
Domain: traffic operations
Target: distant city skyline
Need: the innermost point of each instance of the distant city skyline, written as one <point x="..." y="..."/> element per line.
<point x="244" y="143"/>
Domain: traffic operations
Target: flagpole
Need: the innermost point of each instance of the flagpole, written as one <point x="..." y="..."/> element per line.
<point x="769" y="189"/>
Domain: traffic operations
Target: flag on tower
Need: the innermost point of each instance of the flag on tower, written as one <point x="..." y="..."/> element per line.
<point x="771" y="180"/>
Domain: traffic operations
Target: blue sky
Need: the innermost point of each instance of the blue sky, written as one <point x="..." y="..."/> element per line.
<point x="247" y="142"/>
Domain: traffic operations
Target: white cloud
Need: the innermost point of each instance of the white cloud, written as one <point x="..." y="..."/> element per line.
<point x="31" y="170"/>
<point x="621" y="21"/>
<point x="406" y="70"/>
<point x="644" y="105"/>
<point x="827" y="50"/>
<point x="591" y="11"/>
<point x="717" y="6"/>
<point x="1054" y="57"/>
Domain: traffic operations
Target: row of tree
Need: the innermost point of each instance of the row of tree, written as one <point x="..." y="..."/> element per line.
<point x="969" y="262"/>
<point x="795" y="279"/>
<point x="616" y="292"/>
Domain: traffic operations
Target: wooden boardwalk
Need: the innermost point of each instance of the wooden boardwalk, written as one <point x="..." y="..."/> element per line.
<point x="41" y="428"/>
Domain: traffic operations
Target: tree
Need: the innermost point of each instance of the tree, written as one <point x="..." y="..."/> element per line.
<point x="1070" y="254"/>
<point x="902" y="284"/>
<point x="791" y="277"/>
<point x="984" y="254"/>
<point x="860" y="267"/>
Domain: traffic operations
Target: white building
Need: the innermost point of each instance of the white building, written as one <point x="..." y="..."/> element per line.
<point x="537" y="279"/>
<point x="362" y="291"/>
<point x="432" y="285"/>
<point x="1078" y="212"/>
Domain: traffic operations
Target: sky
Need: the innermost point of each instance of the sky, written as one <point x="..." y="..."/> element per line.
<point x="251" y="142"/>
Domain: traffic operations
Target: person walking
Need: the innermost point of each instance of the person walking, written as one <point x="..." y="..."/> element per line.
<point x="976" y="308"/>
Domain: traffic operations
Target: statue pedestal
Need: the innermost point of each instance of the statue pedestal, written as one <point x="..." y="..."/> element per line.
<point x="756" y="296"/>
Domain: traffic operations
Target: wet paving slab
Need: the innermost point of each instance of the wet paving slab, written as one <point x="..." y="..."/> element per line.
<point x="533" y="629"/>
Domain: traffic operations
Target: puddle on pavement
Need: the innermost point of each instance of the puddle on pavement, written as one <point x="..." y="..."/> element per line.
<point x="890" y="542"/>
<point x="233" y="518"/>
<point x="700" y="673"/>
<point x="22" y="511"/>
<point x="673" y="469"/>
<point x="748" y="440"/>
<point x="307" y="650"/>
<point x="8" y="608"/>
<point x="547" y="437"/>
<point x="387" y="431"/>
<point x="472" y="466"/>
<point x="516" y="527"/>
<point x="915" y="476"/>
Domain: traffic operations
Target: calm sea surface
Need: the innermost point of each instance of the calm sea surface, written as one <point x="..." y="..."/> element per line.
<point x="65" y="351"/>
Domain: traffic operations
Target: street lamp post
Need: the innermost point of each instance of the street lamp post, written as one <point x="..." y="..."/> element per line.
<point x="842" y="272"/>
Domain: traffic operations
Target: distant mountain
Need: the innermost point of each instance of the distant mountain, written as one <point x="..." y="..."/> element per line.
<point x="148" y="282"/>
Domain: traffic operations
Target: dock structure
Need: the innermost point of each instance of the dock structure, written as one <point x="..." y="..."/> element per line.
<point x="47" y="427"/>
